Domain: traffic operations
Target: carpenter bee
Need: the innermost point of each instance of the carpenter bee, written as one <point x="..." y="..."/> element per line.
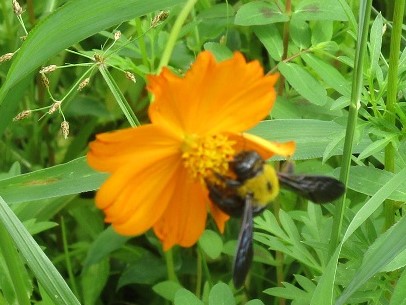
<point x="253" y="186"/>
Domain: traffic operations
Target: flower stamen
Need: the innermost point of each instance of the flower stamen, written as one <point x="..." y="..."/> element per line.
<point x="203" y="156"/>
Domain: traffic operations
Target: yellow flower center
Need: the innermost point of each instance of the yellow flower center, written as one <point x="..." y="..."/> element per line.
<point x="203" y="156"/>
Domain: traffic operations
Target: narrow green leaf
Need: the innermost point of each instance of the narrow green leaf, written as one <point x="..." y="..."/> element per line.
<point x="65" y="179"/>
<point x="41" y="266"/>
<point x="375" y="43"/>
<point x="92" y="288"/>
<point x="259" y="13"/>
<point x="304" y="83"/>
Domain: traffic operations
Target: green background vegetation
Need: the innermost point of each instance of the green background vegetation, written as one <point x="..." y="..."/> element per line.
<point x="340" y="97"/>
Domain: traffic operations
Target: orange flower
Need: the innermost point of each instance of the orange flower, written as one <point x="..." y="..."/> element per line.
<point x="158" y="170"/>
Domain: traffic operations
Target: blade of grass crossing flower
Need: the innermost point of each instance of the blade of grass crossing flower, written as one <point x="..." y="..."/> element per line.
<point x="324" y="290"/>
<point x="41" y="266"/>
<point x="122" y="102"/>
<point x="365" y="12"/>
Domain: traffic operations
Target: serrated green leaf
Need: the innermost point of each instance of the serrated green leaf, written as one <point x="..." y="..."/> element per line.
<point x="259" y="13"/>
<point x="304" y="83"/>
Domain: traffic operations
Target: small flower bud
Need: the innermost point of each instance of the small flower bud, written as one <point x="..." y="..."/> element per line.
<point x="17" y="8"/>
<point x="130" y="76"/>
<point x="117" y="35"/>
<point x="22" y="115"/>
<point x="6" y="57"/>
<point x="223" y="40"/>
<point x="45" y="80"/>
<point x="65" y="129"/>
<point x="83" y="83"/>
<point x="48" y="69"/>
<point x="162" y="15"/>
<point x="55" y="106"/>
<point x="98" y="58"/>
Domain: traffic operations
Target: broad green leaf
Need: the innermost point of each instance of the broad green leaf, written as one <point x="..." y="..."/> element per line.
<point x="220" y="51"/>
<point x="319" y="10"/>
<point x="73" y="22"/>
<point x="221" y="294"/>
<point x="304" y="83"/>
<point x="329" y="74"/>
<point x="254" y="302"/>
<point x="167" y="289"/>
<point x="300" y="33"/>
<point x="259" y="13"/>
<point x="322" y="33"/>
<point x="271" y="39"/>
<point x="185" y="297"/>
<point x="311" y="136"/>
<point x="41" y="266"/>
<point x="65" y="179"/>
<point x="211" y="244"/>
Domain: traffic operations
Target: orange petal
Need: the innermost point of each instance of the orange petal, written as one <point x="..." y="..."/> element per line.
<point x="219" y="217"/>
<point x="266" y="149"/>
<point x="230" y="95"/>
<point x="115" y="149"/>
<point x="185" y="217"/>
<point x="136" y="195"/>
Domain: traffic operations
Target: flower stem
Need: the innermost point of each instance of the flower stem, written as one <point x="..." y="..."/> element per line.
<point x="389" y="206"/>
<point x="170" y="266"/>
<point x="166" y="55"/>
<point x="14" y="265"/>
<point x="357" y="85"/>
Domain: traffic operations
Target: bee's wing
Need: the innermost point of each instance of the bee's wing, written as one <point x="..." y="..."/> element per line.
<point x="319" y="189"/>
<point x="244" y="253"/>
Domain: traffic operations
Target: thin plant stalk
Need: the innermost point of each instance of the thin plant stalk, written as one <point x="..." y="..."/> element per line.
<point x="389" y="206"/>
<point x="357" y="84"/>
<point x="166" y="55"/>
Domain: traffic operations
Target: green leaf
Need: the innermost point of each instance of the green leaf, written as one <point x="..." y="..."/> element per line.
<point x="300" y="33"/>
<point x="259" y="13"/>
<point x="107" y="242"/>
<point x="221" y="294"/>
<point x="385" y="248"/>
<point x="254" y="302"/>
<point x="330" y="75"/>
<point x="375" y="43"/>
<point x="70" y="178"/>
<point x="319" y="10"/>
<point x="368" y="180"/>
<point x="73" y="22"/>
<point x="311" y="136"/>
<point x="220" y="51"/>
<point x="304" y="83"/>
<point x="167" y="289"/>
<point x="271" y="39"/>
<point x="41" y="266"/>
<point x="92" y="288"/>
<point x="399" y="293"/>
<point x="211" y="244"/>
<point x="185" y="297"/>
